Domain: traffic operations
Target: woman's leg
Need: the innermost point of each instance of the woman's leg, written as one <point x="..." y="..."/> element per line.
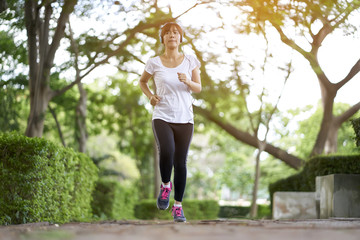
<point x="165" y="141"/>
<point x="183" y="134"/>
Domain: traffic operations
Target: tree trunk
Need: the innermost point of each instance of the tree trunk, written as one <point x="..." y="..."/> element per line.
<point x="81" y="133"/>
<point x="331" y="141"/>
<point x="41" y="56"/>
<point x="254" y="206"/>
<point x="3" y="5"/>
<point x="322" y="135"/>
<point x="39" y="102"/>
<point x="328" y="95"/>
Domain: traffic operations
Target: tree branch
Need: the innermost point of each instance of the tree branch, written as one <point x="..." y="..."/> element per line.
<point x="289" y="71"/>
<point x="246" y="138"/>
<point x="347" y="114"/>
<point x="44" y="36"/>
<point x="76" y="66"/>
<point x="64" y="89"/>
<point x="288" y="41"/>
<point x="320" y="36"/>
<point x="67" y="9"/>
<point x="75" y="48"/>
<point x="349" y="9"/>
<point x="30" y="21"/>
<point x="57" y="125"/>
<point x="132" y="32"/>
<point x="354" y="70"/>
<point x="196" y="4"/>
<point x="310" y="56"/>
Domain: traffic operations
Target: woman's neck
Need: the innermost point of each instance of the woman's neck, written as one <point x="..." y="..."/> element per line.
<point x="171" y="53"/>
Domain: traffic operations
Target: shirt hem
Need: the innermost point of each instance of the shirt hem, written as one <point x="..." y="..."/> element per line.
<point x="176" y="122"/>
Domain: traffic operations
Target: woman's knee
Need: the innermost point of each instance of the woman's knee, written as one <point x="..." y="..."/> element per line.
<point x="180" y="165"/>
<point x="167" y="152"/>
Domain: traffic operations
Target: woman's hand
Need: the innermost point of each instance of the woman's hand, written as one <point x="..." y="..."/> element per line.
<point x="182" y="77"/>
<point x="154" y="100"/>
<point x="194" y="84"/>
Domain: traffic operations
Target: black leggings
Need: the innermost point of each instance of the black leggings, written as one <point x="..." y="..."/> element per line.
<point x="173" y="141"/>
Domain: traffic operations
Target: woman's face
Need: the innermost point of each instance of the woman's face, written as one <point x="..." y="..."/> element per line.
<point x="172" y="37"/>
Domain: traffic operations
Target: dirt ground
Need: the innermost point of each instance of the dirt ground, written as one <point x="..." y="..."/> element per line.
<point x="329" y="229"/>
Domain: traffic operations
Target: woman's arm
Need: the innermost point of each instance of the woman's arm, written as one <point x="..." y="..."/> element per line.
<point x="143" y="82"/>
<point x="195" y="83"/>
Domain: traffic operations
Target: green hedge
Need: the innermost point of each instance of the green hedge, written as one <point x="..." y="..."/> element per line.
<point x="264" y="211"/>
<point x="317" y="166"/>
<point x="193" y="210"/>
<point x="356" y="126"/>
<point x="41" y="181"/>
<point x="113" y="201"/>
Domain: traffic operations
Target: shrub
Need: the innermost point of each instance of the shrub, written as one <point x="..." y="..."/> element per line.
<point x="41" y="181"/>
<point x="317" y="166"/>
<point x="356" y="126"/>
<point x="111" y="200"/>
<point x="193" y="209"/>
<point x="264" y="211"/>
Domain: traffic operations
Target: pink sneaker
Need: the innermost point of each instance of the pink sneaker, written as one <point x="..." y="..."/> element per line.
<point x="178" y="214"/>
<point x="164" y="197"/>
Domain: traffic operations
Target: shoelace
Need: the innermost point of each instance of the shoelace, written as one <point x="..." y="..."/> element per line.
<point x="176" y="211"/>
<point x="165" y="193"/>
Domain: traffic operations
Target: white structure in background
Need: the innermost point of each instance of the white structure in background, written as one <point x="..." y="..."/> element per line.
<point x="231" y="198"/>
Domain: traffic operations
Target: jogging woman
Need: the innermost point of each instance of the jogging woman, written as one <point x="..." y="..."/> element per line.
<point x="176" y="76"/>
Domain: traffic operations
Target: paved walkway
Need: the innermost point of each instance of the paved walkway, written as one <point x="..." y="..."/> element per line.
<point x="329" y="229"/>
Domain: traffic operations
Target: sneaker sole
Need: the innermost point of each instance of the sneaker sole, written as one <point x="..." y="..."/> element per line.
<point x="157" y="204"/>
<point x="180" y="220"/>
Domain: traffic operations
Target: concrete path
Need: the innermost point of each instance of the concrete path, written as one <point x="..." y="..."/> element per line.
<point x="329" y="229"/>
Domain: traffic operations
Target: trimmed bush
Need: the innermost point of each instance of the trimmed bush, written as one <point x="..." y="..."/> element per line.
<point x="41" y="181"/>
<point x="233" y="212"/>
<point x="317" y="166"/>
<point x="113" y="201"/>
<point x="193" y="210"/>
<point x="264" y="211"/>
<point x="356" y="125"/>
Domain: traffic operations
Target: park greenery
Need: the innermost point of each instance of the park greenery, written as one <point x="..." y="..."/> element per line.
<point x="49" y="50"/>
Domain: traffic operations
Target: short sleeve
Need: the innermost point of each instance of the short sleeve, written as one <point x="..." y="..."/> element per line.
<point x="194" y="62"/>
<point x="149" y="67"/>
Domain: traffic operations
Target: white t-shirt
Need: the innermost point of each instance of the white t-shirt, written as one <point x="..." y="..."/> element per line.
<point x="175" y="105"/>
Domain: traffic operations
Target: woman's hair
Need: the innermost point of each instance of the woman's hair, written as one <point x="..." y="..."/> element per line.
<point x="167" y="27"/>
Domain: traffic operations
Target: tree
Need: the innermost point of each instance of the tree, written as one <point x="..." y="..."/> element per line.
<point x="49" y="21"/>
<point x="237" y="90"/>
<point x="356" y="126"/>
<point x="41" y="55"/>
<point x="305" y="17"/>
<point x="263" y="120"/>
<point x="3" y="5"/>
<point x="307" y="130"/>
<point x="213" y="93"/>
<point x="91" y="51"/>
<point x="233" y="164"/>
<point x="45" y="24"/>
<point x="11" y="105"/>
<point x="118" y="109"/>
<point x="13" y="83"/>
